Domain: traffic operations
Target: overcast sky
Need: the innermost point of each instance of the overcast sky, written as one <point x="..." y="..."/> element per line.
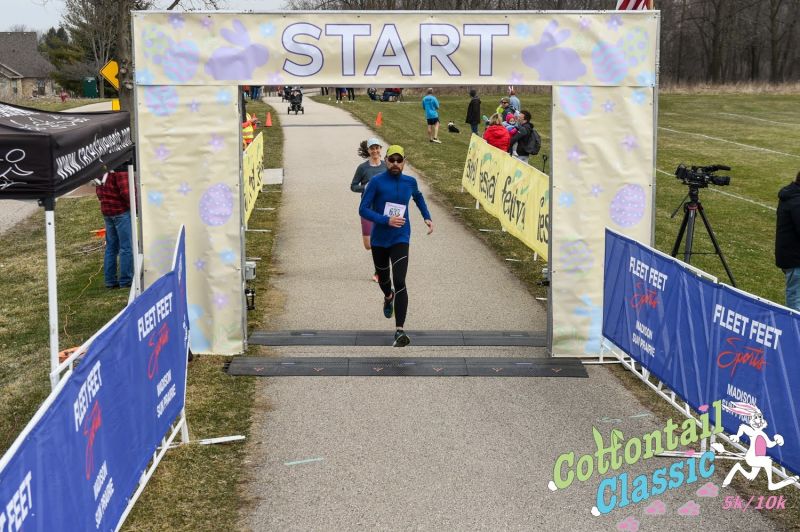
<point x="40" y="15"/>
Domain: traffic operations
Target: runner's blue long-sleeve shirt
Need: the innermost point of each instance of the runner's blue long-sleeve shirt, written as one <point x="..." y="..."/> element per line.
<point x="400" y="190"/>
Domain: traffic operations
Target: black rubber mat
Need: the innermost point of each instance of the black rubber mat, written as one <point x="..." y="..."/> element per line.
<point x="384" y="338"/>
<point x="407" y="367"/>
<point x="289" y="367"/>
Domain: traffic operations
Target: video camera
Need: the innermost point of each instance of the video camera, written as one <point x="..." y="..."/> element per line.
<point x="701" y="176"/>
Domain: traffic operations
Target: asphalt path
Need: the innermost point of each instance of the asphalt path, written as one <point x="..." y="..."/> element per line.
<point x="372" y="453"/>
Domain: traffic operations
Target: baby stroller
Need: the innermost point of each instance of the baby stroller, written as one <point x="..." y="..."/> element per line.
<point x="296" y="101"/>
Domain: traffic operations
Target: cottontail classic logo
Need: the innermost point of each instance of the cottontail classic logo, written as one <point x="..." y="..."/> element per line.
<point x="618" y="490"/>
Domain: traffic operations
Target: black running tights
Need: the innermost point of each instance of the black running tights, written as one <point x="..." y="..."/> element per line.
<point x="397" y="256"/>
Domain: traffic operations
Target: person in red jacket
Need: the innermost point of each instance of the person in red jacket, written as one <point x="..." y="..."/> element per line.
<point x="496" y="134"/>
<point x="112" y="191"/>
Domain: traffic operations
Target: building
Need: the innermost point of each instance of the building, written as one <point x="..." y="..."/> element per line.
<point x="24" y="72"/>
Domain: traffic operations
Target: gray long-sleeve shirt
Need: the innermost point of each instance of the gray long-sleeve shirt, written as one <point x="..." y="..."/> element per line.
<point x="364" y="172"/>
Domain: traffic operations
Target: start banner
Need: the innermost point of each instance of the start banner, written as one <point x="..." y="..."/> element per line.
<point x="707" y="342"/>
<point x="510" y="190"/>
<point x="79" y="460"/>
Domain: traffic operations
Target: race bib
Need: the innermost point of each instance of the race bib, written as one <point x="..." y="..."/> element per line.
<point x="394" y="209"/>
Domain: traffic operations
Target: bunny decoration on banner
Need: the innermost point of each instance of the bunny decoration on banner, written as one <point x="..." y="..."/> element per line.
<point x="238" y="61"/>
<point x="553" y="63"/>
<point x="756" y="455"/>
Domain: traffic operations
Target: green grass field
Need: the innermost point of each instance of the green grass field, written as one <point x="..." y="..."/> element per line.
<point x="199" y="487"/>
<point x="758" y="135"/>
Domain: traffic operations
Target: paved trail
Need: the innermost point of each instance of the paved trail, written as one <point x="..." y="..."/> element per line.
<point x="361" y="453"/>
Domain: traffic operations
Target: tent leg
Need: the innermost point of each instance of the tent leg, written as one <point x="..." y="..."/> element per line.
<point x="52" y="293"/>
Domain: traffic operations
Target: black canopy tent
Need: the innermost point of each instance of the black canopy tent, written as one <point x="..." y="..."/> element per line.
<point x="44" y="155"/>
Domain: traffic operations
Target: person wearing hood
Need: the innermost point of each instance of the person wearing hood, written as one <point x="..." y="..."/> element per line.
<point x="385" y="203"/>
<point x="474" y="111"/>
<point x="787" y="240"/>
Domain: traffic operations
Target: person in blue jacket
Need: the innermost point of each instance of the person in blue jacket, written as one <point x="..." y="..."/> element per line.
<point x="385" y="202"/>
<point x="431" y="106"/>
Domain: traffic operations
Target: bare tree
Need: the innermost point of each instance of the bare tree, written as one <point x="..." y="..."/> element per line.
<point x="93" y="25"/>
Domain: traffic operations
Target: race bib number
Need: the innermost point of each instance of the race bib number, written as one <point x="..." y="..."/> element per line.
<point x="394" y="209"/>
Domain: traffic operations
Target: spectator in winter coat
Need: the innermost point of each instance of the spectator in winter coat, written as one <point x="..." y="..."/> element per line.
<point x="496" y="135"/>
<point x="474" y="111"/>
<point x="523" y="135"/>
<point x="510" y="124"/>
<point x="787" y="240"/>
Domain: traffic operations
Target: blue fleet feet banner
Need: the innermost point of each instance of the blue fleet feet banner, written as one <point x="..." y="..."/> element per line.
<point x="81" y="457"/>
<point x="708" y="342"/>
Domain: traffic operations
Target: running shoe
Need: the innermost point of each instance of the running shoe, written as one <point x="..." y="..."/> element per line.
<point x="401" y="339"/>
<point x="388" y="306"/>
<point x="437" y="141"/>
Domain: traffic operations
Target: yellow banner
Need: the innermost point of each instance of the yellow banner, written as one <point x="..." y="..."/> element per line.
<point x="510" y="190"/>
<point x="523" y="204"/>
<point x="252" y="168"/>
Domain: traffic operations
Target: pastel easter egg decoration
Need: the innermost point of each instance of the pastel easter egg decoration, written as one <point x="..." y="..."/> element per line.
<point x="628" y="205"/>
<point x="576" y="257"/>
<point x="155" y="42"/>
<point x="216" y="205"/>
<point x="634" y="46"/>
<point x="609" y="63"/>
<point x="181" y="61"/>
<point x="161" y="100"/>
<point x="576" y="101"/>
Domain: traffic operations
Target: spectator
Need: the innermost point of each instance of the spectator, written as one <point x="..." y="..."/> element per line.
<point x="510" y="123"/>
<point x="372" y="92"/>
<point x="523" y="137"/>
<point x="351" y="94"/>
<point x="340" y="92"/>
<point x="63" y="95"/>
<point x="388" y="94"/>
<point x="112" y="191"/>
<point x="495" y="134"/>
<point x="513" y="101"/>
<point x="431" y="106"/>
<point x="474" y="111"/>
<point x="787" y="240"/>
<point x="503" y="109"/>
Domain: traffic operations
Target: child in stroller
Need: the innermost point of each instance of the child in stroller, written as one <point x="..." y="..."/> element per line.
<point x="296" y="101"/>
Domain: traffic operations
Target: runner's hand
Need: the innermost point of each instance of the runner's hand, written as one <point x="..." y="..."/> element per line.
<point x="396" y="221"/>
<point x="430" y="226"/>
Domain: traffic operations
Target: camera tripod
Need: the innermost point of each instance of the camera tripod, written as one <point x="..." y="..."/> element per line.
<point x="690" y="210"/>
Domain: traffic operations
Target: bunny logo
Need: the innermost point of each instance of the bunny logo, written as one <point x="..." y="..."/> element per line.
<point x="554" y="64"/>
<point x="756" y="455"/>
<point x="238" y="61"/>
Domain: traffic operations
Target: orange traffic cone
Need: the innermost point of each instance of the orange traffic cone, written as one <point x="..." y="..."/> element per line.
<point x="379" y="119"/>
<point x="269" y="120"/>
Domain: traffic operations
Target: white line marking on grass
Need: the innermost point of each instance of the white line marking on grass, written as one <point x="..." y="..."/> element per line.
<point x="763" y="119"/>
<point x="748" y="200"/>
<point x="730" y="142"/>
